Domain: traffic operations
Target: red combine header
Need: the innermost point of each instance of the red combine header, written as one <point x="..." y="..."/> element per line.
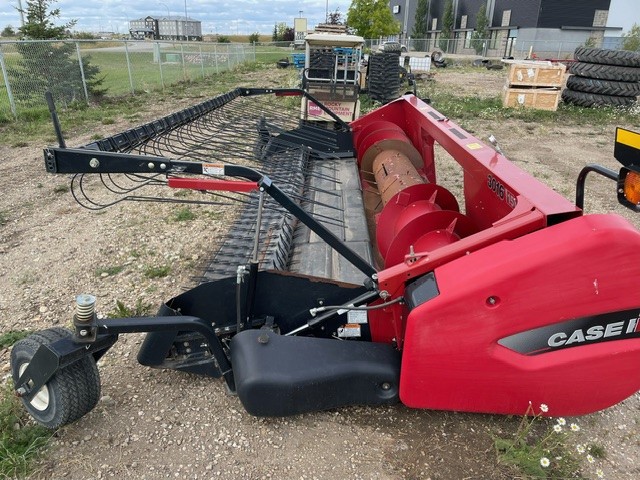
<point x="353" y="277"/>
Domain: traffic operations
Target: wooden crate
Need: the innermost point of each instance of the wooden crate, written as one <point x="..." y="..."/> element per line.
<point x="536" y="74"/>
<point x="539" y="98"/>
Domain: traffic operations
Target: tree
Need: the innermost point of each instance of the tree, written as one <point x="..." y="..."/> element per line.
<point x="479" y="36"/>
<point x="335" y="18"/>
<point x="447" y="26"/>
<point x="631" y="39"/>
<point x="39" y="25"/>
<point x="421" y="25"/>
<point x="254" y="38"/>
<point x="50" y="66"/>
<point x="282" y="33"/>
<point x="8" y="31"/>
<point x="372" y="18"/>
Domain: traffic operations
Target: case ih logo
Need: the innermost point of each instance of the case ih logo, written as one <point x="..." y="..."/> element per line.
<point x="577" y="332"/>
<point x="594" y="333"/>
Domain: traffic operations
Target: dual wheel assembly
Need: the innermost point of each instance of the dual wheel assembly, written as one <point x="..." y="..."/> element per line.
<point x="603" y="77"/>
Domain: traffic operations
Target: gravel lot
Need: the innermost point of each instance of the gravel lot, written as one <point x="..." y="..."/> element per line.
<point x="163" y="424"/>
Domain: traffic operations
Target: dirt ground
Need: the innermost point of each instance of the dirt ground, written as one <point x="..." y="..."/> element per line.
<point x="162" y="424"/>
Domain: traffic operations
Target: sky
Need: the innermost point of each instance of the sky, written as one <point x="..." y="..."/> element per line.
<point x="226" y="17"/>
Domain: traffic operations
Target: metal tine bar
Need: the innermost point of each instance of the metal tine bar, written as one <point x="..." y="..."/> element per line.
<point x="88" y="203"/>
<point x="120" y="190"/>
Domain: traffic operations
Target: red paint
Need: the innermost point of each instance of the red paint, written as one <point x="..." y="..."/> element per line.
<point x="524" y="246"/>
<point x="212" y="184"/>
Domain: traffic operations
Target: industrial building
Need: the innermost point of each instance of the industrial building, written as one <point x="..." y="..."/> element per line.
<point x="554" y="26"/>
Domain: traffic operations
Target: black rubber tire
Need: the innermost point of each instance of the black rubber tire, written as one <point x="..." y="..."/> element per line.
<point x="583" y="99"/>
<point x="71" y="393"/>
<point x="605" y="56"/>
<point x="605" y="72"/>
<point x="603" y="87"/>
<point x="391" y="48"/>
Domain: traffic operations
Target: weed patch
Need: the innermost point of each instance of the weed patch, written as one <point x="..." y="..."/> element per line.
<point x="9" y="338"/>
<point x="541" y="448"/>
<point x="20" y="439"/>
<point x="109" y="271"/>
<point x="140" y="309"/>
<point x="184" y="214"/>
<point x="157" y="272"/>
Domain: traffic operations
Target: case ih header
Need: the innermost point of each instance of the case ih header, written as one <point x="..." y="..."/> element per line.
<point x="352" y="277"/>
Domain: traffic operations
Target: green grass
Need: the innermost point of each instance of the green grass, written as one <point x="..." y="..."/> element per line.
<point x="140" y="309"/>
<point x="110" y="271"/>
<point x="148" y="71"/>
<point x="79" y="119"/>
<point x="461" y="108"/>
<point x="21" y="441"/>
<point x="184" y="214"/>
<point x="9" y="338"/>
<point x="157" y="272"/>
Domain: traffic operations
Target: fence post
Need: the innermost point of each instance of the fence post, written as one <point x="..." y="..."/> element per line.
<point x="12" y="104"/>
<point x="84" y="80"/>
<point x="160" y="64"/>
<point x="201" y="60"/>
<point x="184" y="68"/>
<point x="559" y="50"/>
<point x="254" y="51"/>
<point x="215" y="56"/>
<point x="126" y="53"/>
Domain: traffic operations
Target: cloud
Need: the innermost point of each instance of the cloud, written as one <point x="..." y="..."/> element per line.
<point x="224" y="17"/>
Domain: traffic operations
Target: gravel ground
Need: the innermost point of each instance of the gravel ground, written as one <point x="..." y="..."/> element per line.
<point x="163" y="424"/>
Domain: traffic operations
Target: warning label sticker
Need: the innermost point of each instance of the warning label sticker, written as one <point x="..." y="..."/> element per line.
<point x="213" y="169"/>
<point x="474" y="146"/>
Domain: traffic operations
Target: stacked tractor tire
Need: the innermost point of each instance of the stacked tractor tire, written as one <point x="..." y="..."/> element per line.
<point x="603" y="77"/>
<point x="384" y="76"/>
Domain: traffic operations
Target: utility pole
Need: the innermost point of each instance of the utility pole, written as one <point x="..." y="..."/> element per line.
<point x="186" y="16"/>
<point x="21" y="12"/>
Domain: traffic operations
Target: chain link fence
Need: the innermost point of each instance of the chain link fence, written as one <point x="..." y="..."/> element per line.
<point x="496" y="47"/>
<point x="79" y="71"/>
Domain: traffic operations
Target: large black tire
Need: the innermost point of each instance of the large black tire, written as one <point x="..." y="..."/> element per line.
<point x="583" y="99"/>
<point x="603" y="87"/>
<point x="605" y="72"/>
<point x="70" y="394"/>
<point x="605" y="56"/>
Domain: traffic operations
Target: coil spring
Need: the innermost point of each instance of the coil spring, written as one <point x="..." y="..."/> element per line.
<point x="85" y="307"/>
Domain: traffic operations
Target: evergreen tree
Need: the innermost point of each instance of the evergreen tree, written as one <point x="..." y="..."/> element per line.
<point x="8" y="31"/>
<point x="481" y="33"/>
<point x="335" y="18"/>
<point x="447" y="26"/>
<point x="50" y="66"/>
<point x="420" y="25"/>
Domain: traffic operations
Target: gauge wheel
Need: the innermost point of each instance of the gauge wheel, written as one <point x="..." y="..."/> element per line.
<point x="71" y="393"/>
